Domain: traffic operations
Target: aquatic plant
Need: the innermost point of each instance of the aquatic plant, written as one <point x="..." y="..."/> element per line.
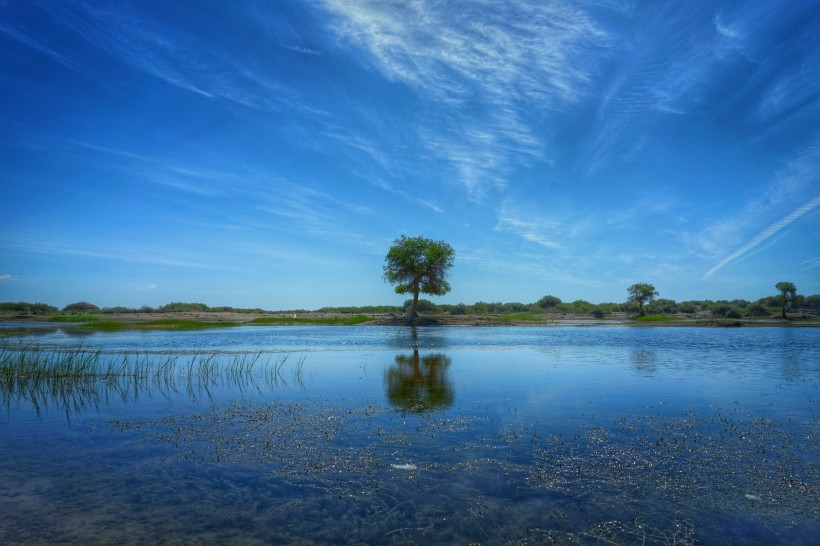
<point x="76" y="379"/>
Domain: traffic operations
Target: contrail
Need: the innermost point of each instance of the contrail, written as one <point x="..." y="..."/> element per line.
<point x="765" y="234"/>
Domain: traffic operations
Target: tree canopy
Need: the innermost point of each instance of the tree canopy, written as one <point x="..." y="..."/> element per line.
<point x="788" y="291"/>
<point x="418" y="264"/>
<point x="641" y="293"/>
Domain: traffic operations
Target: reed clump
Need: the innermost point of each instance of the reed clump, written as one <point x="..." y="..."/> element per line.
<point x="76" y="379"/>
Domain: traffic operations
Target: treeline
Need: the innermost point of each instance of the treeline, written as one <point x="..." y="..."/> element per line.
<point x="547" y="305"/>
<point x="25" y="308"/>
<point x="553" y="305"/>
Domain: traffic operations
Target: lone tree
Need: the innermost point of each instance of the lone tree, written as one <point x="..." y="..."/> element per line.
<point x="788" y="291"/>
<point x="641" y="293"/>
<point x="417" y="264"/>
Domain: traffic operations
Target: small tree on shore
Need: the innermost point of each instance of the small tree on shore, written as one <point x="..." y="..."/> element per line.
<point x="788" y="291"/>
<point x="80" y="307"/>
<point x="418" y="265"/>
<point x="641" y="293"/>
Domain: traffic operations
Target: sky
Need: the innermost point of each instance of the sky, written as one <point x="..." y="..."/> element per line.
<point x="267" y="153"/>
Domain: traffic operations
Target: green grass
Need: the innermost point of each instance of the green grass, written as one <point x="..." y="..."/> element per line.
<point x="162" y="324"/>
<point x="74" y="318"/>
<point x="332" y="321"/>
<point x="522" y="317"/>
<point x="654" y="318"/>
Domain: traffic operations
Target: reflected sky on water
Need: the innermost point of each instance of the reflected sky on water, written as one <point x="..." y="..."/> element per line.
<point x="498" y="431"/>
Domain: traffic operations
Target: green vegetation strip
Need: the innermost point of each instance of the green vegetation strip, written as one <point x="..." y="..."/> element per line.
<point x="74" y="318"/>
<point x="163" y="324"/>
<point x="522" y="317"/>
<point x="330" y="321"/>
<point x="654" y="318"/>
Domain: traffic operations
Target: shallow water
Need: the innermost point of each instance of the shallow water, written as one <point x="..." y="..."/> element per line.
<point x="578" y="435"/>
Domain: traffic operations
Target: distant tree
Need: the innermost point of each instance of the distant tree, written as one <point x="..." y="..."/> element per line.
<point x="26" y="308"/>
<point x="757" y="310"/>
<point x="788" y="291"/>
<point x="418" y="265"/>
<point x="641" y="293"/>
<point x="80" y="307"/>
<point x="813" y="303"/>
<point x="548" y="302"/>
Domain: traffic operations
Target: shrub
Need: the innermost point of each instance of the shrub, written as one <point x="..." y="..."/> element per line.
<point x="80" y="307"/>
<point x="25" y="308"/>
<point x="548" y="302"/>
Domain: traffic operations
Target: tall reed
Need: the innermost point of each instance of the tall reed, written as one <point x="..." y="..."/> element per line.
<point x="78" y="379"/>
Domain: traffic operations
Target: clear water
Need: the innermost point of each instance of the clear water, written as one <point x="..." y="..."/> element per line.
<point x="383" y="435"/>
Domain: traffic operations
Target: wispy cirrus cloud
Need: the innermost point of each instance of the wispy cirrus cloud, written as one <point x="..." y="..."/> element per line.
<point x="791" y="189"/>
<point x="552" y="231"/>
<point x="147" y="254"/>
<point x="7" y="278"/>
<point x="477" y="61"/>
<point x="763" y="235"/>
<point x="38" y="45"/>
<point x="178" y="55"/>
<point x="387" y="187"/>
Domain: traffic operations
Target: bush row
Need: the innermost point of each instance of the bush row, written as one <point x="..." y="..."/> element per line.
<point x="547" y="305"/>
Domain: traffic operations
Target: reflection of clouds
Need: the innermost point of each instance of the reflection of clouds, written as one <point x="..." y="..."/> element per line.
<point x="419" y="384"/>
<point x="645" y="362"/>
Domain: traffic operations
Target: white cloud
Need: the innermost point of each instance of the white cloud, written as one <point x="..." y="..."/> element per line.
<point x="7" y="278"/>
<point x="763" y="235"/>
<point x="478" y="61"/>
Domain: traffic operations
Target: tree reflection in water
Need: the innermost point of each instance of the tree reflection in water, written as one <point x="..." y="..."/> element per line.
<point x="419" y="384"/>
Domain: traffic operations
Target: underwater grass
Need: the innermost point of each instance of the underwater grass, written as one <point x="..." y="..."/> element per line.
<point x="330" y="321"/>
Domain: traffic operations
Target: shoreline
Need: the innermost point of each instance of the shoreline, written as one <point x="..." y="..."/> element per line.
<point x="207" y="318"/>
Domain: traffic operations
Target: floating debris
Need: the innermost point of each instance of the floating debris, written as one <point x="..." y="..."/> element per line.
<point x="406" y="466"/>
<point x="756" y="498"/>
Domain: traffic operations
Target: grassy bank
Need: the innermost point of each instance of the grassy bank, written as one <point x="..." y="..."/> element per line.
<point x="325" y="321"/>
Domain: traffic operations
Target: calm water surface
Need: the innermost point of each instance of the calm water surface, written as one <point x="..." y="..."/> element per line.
<point x="370" y="435"/>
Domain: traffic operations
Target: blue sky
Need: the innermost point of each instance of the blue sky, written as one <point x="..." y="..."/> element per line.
<point x="266" y="153"/>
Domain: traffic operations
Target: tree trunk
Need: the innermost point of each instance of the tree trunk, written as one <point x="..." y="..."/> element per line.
<point x="413" y="313"/>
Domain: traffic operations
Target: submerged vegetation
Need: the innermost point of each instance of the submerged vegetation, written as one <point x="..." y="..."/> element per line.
<point x="75" y="379"/>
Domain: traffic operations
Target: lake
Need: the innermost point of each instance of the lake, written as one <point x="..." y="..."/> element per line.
<point x="399" y="435"/>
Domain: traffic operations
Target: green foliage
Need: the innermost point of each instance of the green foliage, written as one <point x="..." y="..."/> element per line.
<point x="641" y="293"/>
<point x="25" y="308"/>
<point x="548" y="302"/>
<point x="422" y="306"/>
<point x="162" y="324"/>
<point x="788" y="291"/>
<point x="757" y="310"/>
<point x="179" y="307"/>
<point x="654" y="318"/>
<point x="523" y="317"/>
<point x="662" y="306"/>
<point x="80" y="307"/>
<point x="74" y="318"/>
<point x="418" y="265"/>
